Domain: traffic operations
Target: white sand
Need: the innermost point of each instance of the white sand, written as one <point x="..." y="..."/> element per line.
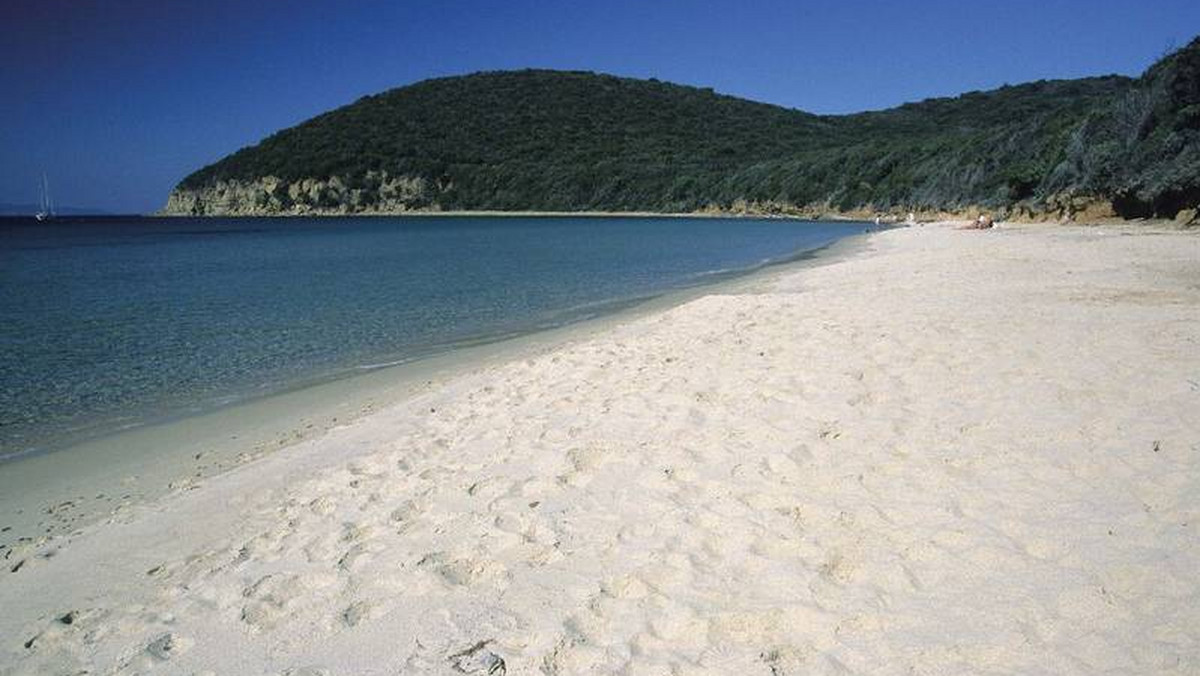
<point x="955" y="452"/>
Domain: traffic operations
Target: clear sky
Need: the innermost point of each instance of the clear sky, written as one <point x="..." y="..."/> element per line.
<point x="116" y="100"/>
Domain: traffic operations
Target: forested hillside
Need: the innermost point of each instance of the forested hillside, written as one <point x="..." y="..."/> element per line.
<point x="576" y="141"/>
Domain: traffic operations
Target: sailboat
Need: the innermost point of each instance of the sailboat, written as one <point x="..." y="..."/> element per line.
<point x="46" y="212"/>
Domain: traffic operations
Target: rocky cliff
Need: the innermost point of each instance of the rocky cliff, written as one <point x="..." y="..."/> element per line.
<point x="271" y="196"/>
<point x="376" y="193"/>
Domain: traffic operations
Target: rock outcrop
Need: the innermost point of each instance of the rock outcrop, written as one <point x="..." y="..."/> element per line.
<point x="377" y="193"/>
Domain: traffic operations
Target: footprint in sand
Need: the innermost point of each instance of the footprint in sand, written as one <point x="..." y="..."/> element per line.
<point x="160" y="649"/>
<point x="73" y="627"/>
<point x="406" y="514"/>
<point x="266" y="546"/>
<point x="787" y="660"/>
<point x="582" y="464"/>
<point x="478" y="659"/>
<point x="829" y="431"/>
<point x="358" y="612"/>
<point x="272" y="597"/>
<point x="322" y="505"/>
<point x="573" y="657"/>
<point x="459" y="570"/>
<point x="781" y="468"/>
<point x="168" y="645"/>
<point x="838" y="568"/>
<point x="356" y="557"/>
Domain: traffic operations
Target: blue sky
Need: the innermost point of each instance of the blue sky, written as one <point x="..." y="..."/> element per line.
<point x="116" y="101"/>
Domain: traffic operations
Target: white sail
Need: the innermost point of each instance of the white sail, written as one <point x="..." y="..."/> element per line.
<point x="46" y="210"/>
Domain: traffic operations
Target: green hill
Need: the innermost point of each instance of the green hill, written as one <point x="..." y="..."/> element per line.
<point x="576" y="141"/>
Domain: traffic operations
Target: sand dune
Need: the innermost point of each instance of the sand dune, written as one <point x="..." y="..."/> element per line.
<point x="952" y="452"/>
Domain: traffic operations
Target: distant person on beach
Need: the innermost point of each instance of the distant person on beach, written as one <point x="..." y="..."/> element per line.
<point x="982" y="223"/>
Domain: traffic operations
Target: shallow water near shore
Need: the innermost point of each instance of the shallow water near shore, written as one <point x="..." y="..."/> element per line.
<point x="113" y="324"/>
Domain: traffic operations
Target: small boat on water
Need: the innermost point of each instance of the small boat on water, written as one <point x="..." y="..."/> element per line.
<point x="46" y="210"/>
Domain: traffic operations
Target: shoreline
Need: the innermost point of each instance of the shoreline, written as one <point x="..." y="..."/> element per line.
<point x="506" y="214"/>
<point x="891" y="216"/>
<point x="451" y="214"/>
<point x="939" y="451"/>
<point x="51" y="493"/>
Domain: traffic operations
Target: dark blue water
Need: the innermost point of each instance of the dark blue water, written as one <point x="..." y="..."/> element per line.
<point x="109" y="323"/>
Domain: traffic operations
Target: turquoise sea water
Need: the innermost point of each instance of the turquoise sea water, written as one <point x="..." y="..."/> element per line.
<point x="111" y="323"/>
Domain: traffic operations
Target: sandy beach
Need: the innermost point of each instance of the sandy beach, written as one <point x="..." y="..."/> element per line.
<point x="947" y="452"/>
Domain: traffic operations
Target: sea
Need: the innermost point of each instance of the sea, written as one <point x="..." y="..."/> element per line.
<point x="108" y="324"/>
